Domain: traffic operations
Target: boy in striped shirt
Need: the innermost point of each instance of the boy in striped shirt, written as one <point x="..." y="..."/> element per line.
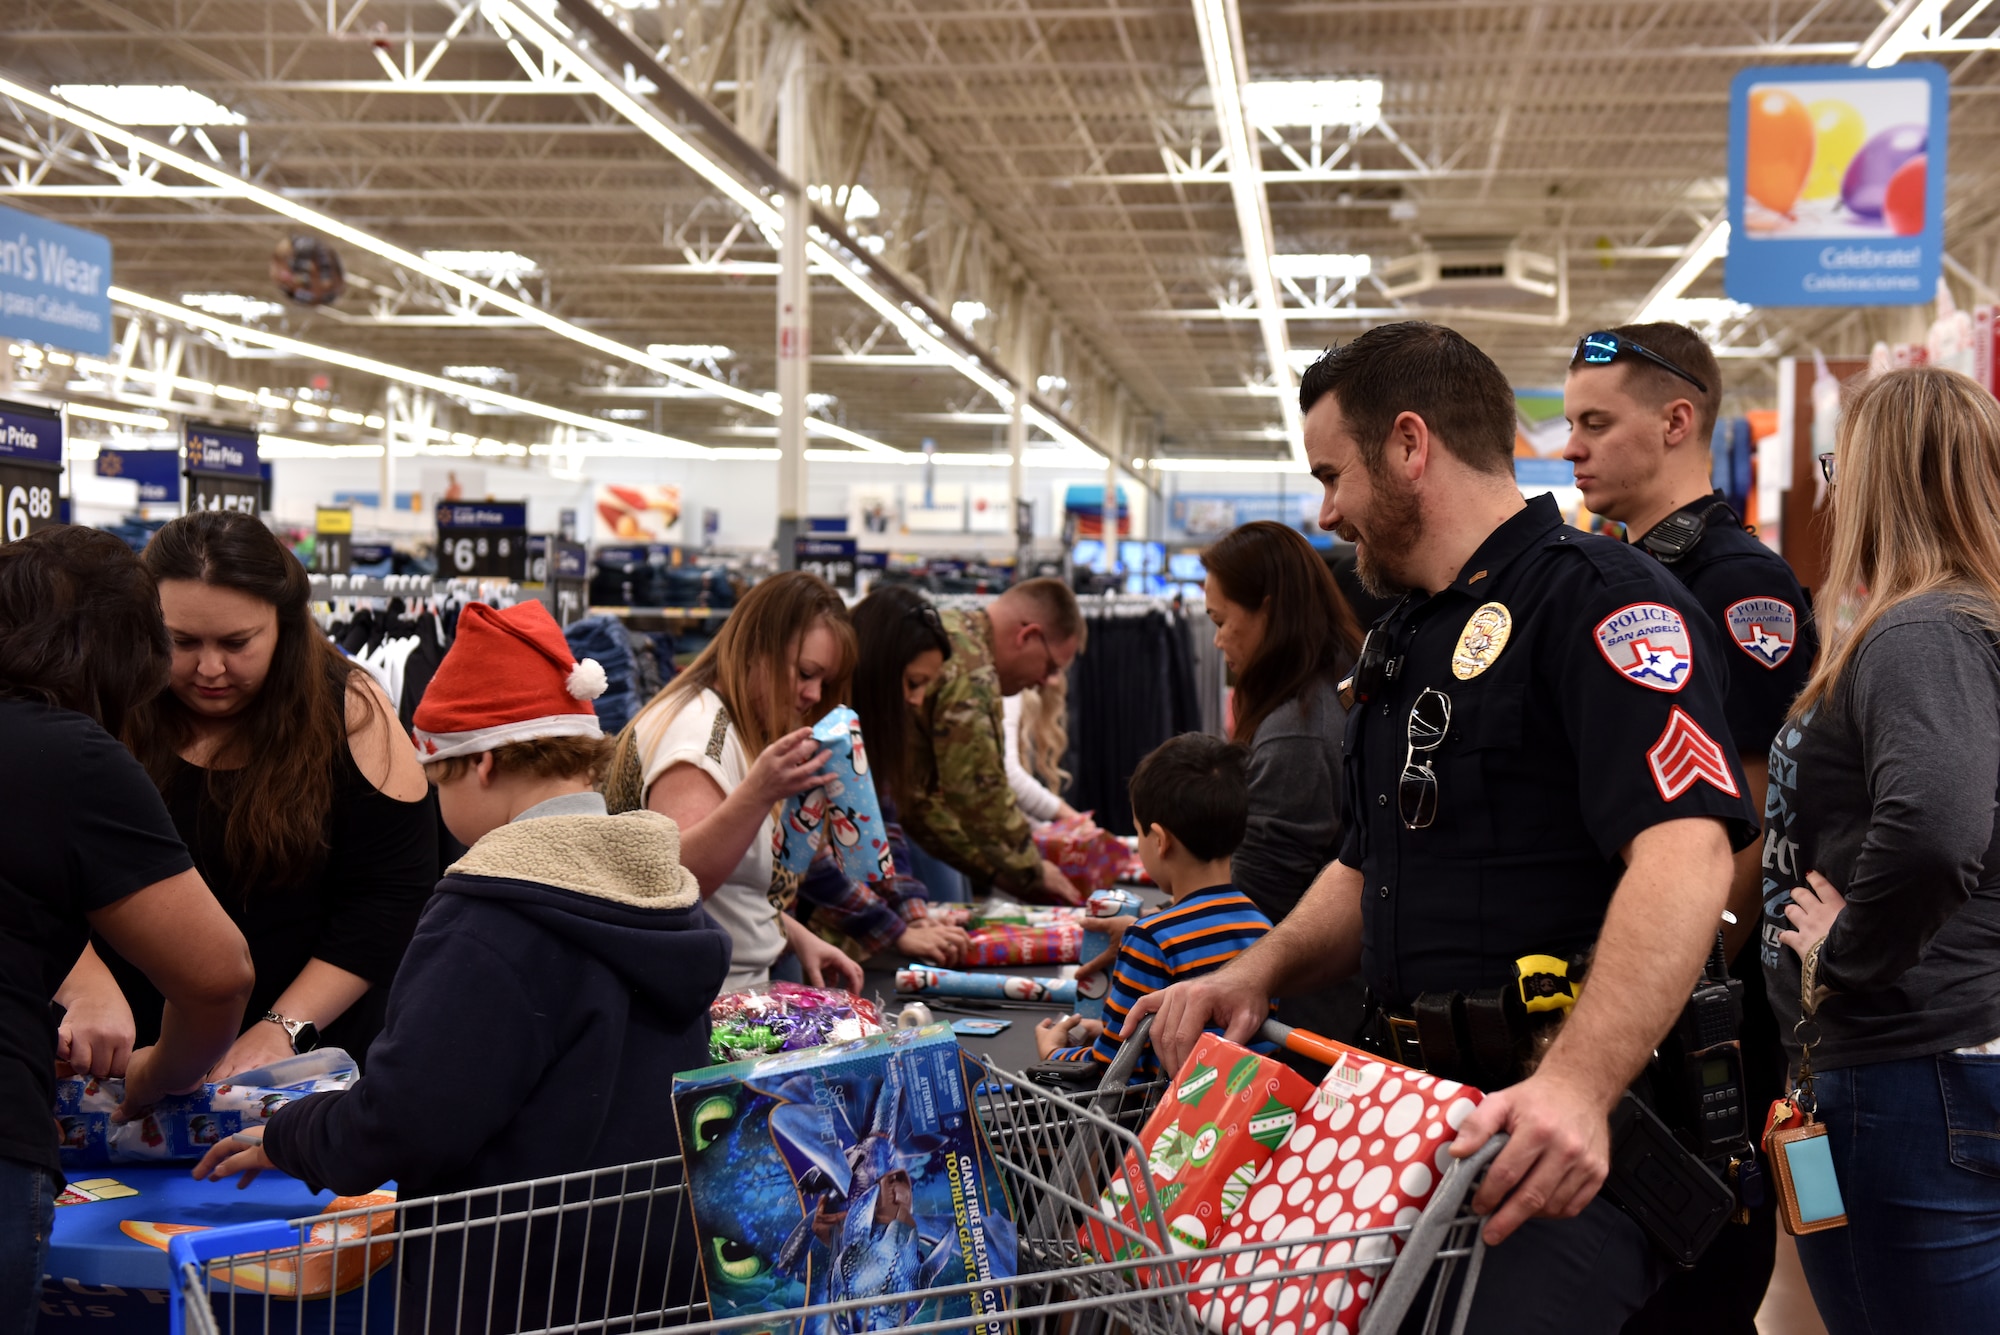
<point x="1190" y="804"/>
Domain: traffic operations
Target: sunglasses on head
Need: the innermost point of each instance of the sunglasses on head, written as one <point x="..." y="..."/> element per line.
<point x="1604" y="347"/>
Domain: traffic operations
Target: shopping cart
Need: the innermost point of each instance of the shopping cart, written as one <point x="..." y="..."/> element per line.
<point x="613" y="1250"/>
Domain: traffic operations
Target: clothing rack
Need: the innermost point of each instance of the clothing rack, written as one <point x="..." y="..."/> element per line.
<point x="327" y="588"/>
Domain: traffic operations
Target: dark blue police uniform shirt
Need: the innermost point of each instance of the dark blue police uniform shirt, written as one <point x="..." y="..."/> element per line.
<point x="1600" y="717"/>
<point x="1755" y="603"/>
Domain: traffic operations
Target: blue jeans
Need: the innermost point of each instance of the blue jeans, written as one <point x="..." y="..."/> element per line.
<point x="1916" y="1149"/>
<point x="27" y="1212"/>
<point x="946" y="883"/>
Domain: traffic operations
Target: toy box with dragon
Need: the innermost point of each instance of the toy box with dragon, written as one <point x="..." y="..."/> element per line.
<point x="854" y="1171"/>
<point x="184" y="1126"/>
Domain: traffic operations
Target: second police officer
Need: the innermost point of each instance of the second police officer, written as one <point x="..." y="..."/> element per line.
<point x="1534" y="782"/>
<point x="1642" y="401"/>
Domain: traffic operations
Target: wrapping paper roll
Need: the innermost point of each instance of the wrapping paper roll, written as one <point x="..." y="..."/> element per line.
<point x="985" y="986"/>
<point x="1056" y="943"/>
<point x="844" y="814"/>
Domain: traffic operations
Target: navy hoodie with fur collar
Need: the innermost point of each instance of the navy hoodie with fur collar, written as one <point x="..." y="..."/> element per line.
<point x="558" y="979"/>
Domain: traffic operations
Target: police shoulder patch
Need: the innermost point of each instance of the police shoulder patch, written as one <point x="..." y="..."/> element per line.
<point x="1647" y="643"/>
<point x="1764" y="628"/>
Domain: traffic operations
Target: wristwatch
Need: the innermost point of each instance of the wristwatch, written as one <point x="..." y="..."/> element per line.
<point x="303" y="1033"/>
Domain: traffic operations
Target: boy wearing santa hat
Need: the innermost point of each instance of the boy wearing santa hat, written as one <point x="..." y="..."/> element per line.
<point x="558" y="979"/>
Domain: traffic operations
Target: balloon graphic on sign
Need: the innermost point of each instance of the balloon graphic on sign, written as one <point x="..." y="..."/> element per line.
<point x="1838" y="133"/>
<point x="1867" y="180"/>
<point x="1903" y="201"/>
<point x="1779" y="151"/>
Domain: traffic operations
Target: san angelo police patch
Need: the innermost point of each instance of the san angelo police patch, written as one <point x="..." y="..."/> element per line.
<point x="1764" y="628"/>
<point x="1647" y="643"/>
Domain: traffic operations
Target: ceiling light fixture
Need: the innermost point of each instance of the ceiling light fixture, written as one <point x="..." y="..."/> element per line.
<point x="480" y="375"/>
<point x="690" y="352"/>
<point x="1282" y="102"/>
<point x="1342" y="267"/>
<point x="484" y="263"/>
<point x="235" y="187"/>
<point x="233" y="305"/>
<point x="1221" y="32"/>
<point x="118" y="416"/>
<point x="664" y="446"/>
<point x="148" y="103"/>
<point x="1225" y="465"/>
<point x="968" y="313"/>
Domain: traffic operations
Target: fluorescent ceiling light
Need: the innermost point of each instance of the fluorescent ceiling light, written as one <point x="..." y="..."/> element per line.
<point x="1225" y="465"/>
<point x="1049" y="384"/>
<point x="1703" y="310"/>
<point x="1704" y="250"/>
<point x="481" y="375"/>
<point x="232" y="305"/>
<point x="1322" y="266"/>
<point x="333" y="228"/>
<point x="859" y="204"/>
<point x="625" y="414"/>
<point x="968" y="313"/>
<point x="1221" y="30"/>
<point x="663" y="446"/>
<point x="148" y="103"/>
<point x="484" y="263"/>
<point x="284" y="447"/>
<point x="118" y="416"/>
<point x="1281" y="102"/>
<point x="690" y="352"/>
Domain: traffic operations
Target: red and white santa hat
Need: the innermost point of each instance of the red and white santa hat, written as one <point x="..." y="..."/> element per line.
<point x="509" y="677"/>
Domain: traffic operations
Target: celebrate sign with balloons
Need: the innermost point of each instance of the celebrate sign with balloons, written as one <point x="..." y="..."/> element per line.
<point x="1832" y="154"/>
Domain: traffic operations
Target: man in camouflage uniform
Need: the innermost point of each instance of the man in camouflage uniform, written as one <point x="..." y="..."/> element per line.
<point x="965" y="813"/>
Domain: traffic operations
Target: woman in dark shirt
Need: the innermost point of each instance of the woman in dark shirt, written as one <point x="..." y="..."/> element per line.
<point x="295" y="788"/>
<point x="1288" y="638"/>
<point x="1882" y="863"/>
<point x="85" y="845"/>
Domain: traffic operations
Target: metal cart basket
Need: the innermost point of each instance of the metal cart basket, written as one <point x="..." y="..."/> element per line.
<point x="613" y="1250"/>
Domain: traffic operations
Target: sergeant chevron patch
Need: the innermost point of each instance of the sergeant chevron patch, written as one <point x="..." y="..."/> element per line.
<point x="1685" y="755"/>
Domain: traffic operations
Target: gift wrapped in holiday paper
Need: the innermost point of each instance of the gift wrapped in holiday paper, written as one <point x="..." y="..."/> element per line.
<point x="1092" y="858"/>
<point x="184" y="1126"/>
<point x="923" y="980"/>
<point x="1102" y="906"/>
<point x="996" y="943"/>
<point x="843" y="813"/>
<point x="1369" y="1149"/>
<point x="996" y="911"/>
<point x="1223" y="1117"/>
<point x="852" y="1173"/>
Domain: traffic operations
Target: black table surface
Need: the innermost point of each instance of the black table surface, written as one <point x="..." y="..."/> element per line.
<point x="1013" y="1048"/>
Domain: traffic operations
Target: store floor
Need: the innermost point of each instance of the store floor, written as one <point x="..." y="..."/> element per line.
<point x="1788" y="1305"/>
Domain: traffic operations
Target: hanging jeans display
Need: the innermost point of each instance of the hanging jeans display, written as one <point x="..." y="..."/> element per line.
<point x="1131" y="689"/>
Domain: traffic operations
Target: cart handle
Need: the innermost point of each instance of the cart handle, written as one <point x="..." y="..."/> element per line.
<point x="193" y="1250"/>
<point x="1301" y="1041"/>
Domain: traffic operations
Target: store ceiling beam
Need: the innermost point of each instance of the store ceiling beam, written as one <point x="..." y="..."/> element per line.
<point x="758" y="167"/>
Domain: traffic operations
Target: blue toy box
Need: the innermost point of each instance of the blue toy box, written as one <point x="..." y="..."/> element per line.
<point x="857" y="1170"/>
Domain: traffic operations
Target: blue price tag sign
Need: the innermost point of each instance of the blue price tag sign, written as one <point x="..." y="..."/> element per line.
<point x="30" y="435"/>
<point x="222" y="451"/>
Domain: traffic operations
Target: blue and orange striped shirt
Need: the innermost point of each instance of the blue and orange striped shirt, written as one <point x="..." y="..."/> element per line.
<point x="1186" y="940"/>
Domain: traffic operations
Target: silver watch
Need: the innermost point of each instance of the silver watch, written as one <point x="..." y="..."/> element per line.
<point x="303" y="1033"/>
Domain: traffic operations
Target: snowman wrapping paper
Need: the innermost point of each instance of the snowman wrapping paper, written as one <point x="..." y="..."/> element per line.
<point x="843" y="814"/>
<point x="1367" y="1151"/>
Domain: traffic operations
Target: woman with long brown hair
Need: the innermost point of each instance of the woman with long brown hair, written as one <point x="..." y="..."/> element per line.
<point x="729" y="739"/>
<point x="1882" y="863"/>
<point x="294" y="787"/>
<point x="1288" y="637"/>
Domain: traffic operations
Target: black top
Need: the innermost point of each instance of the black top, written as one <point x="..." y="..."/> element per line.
<point x="1888" y="789"/>
<point x="1293" y="829"/>
<point x="1596" y="720"/>
<point x="82" y="827"/>
<point x="1755" y="602"/>
<point x="355" y="907"/>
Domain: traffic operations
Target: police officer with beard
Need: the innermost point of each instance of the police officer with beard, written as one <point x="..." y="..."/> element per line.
<point x="1533" y="773"/>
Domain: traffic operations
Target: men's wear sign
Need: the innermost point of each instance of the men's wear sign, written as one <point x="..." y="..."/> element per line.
<point x="1836" y="185"/>
<point x="55" y="284"/>
<point x="31" y="460"/>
